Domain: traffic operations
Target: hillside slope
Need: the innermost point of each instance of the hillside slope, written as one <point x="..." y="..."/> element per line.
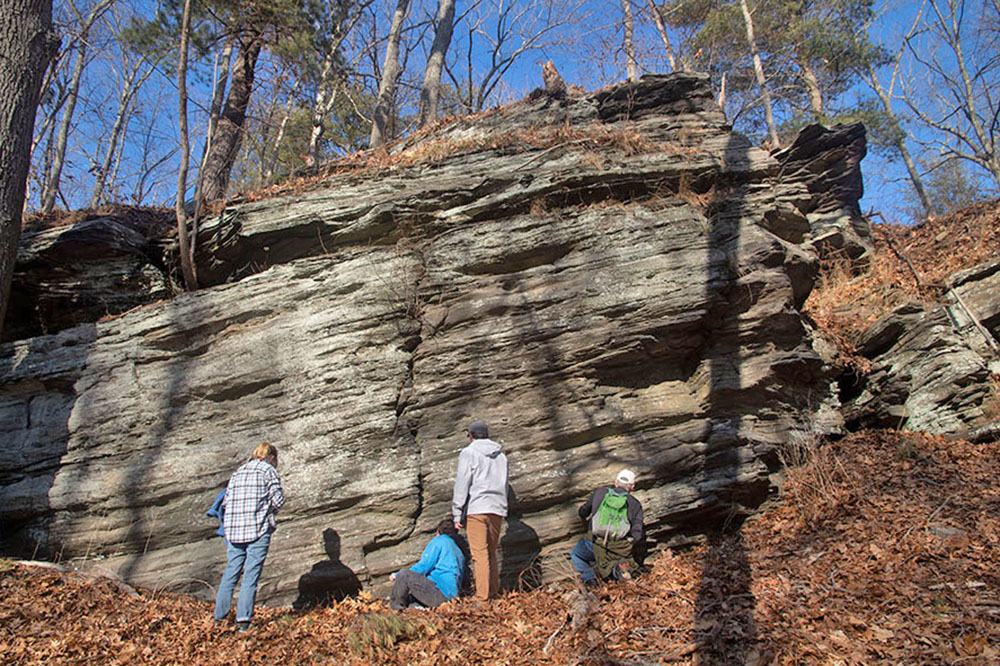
<point x="882" y="549"/>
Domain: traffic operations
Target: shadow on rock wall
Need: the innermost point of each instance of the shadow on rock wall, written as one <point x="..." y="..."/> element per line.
<point x="520" y="568"/>
<point x="719" y="586"/>
<point x="35" y="412"/>
<point x="329" y="580"/>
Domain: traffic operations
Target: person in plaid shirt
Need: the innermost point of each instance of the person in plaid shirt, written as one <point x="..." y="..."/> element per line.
<point x="253" y="496"/>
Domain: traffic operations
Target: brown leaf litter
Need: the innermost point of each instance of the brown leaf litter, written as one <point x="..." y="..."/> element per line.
<point x="894" y="562"/>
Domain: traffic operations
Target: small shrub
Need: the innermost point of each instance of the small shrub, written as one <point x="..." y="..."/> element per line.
<point x="372" y="633"/>
<point x="815" y="476"/>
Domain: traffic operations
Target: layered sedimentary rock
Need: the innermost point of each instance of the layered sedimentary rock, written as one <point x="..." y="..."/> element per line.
<point x="609" y="281"/>
<point x="828" y="162"/>
<point x="100" y="265"/>
<point x="931" y="365"/>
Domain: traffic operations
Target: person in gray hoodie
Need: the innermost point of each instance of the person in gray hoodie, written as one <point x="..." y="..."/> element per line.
<point x="480" y="498"/>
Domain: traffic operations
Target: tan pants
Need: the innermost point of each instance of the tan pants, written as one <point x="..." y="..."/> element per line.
<point x="483" y="530"/>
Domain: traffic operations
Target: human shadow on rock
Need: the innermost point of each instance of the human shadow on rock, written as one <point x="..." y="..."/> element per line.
<point x="520" y="568"/>
<point x="725" y="623"/>
<point x="329" y="580"/>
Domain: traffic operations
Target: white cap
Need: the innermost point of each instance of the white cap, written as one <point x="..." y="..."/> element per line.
<point x="626" y="477"/>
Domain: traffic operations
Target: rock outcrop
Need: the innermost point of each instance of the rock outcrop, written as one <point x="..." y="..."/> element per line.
<point x="931" y="365"/>
<point x="828" y="162"/>
<point x="98" y="266"/>
<point x="611" y="280"/>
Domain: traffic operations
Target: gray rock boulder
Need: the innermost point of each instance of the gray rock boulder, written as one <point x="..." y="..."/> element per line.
<point x="610" y="281"/>
<point x="827" y="160"/>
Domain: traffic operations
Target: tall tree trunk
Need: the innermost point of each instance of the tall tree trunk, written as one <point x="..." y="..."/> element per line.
<point x="59" y="155"/>
<point x="272" y="161"/>
<point x="219" y="86"/>
<point x="326" y="91"/>
<point x="390" y="72"/>
<point x="631" y="65"/>
<point x="911" y="168"/>
<point x="59" y="159"/>
<point x="664" y="37"/>
<point x="187" y="263"/>
<point x="758" y="68"/>
<point x="27" y="44"/>
<point x="431" y="91"/>
<point x="228" y="136"/>
<point x="813" y="89"/>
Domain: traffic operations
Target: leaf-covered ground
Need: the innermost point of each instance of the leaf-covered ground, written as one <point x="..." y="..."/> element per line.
<point x="882" y="549"/>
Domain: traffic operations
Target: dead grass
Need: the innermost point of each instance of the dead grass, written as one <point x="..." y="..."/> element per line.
<point x="156" y="221"/>
<point x="594" y="137"/>
<point x="815" y="478"/>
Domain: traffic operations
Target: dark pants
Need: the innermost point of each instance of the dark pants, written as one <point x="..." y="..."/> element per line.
<point x="411" y="586"/>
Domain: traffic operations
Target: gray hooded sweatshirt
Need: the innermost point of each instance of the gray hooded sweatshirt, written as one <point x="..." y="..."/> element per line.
<point x="481" y="480"/>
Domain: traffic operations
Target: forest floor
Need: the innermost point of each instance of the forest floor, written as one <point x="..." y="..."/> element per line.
<point x="882" y="548"/>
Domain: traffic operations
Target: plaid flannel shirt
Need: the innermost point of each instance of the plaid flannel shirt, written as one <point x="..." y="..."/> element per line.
<point x="252" y="498"/>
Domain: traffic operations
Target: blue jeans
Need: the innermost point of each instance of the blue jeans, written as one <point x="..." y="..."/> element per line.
<point x="248" y="559"/>
<point x="583" y="559"/>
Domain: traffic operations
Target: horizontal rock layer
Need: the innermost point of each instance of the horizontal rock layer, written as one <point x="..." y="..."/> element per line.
<point x="609" y="281"/>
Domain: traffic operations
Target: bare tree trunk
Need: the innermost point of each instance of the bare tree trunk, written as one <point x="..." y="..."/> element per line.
<point x="326" y="91"/>
<point x="219" y="87"/>
<point x="664" y="37"/>
<point x="431" y="91"/>
<point x="27" y="44"/>
<point x="758" y="67"/>
<point x="911" y="168"/>
<point x="59" y="159"/>
<point x="631" y="66"/>
<point x="59" y="155"/>
<point x="390" y="72"/>
<point x="813" y="90"/>
<point x="227" y="138"/>
<point x="268" y="175"/>
<point x="187" y="263"/>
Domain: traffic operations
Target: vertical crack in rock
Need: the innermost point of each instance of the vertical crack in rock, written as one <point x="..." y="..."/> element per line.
<point x="411" y="332"/>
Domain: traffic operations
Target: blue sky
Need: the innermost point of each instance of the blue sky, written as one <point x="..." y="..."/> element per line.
<point x="587" y="51"/>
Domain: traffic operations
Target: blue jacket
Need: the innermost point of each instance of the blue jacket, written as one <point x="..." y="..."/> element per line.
<point x="218" y="510"/>
<point x="443" y="562"/>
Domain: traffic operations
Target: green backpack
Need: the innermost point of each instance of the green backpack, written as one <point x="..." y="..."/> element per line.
<point x="611" y="519"/>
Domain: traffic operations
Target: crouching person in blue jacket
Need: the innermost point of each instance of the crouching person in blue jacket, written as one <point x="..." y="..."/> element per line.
<point x="437" y="577"/>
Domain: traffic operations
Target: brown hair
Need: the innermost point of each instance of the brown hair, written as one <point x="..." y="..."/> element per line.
<point x="264" y="451"/>
<point x="447" y="526"/>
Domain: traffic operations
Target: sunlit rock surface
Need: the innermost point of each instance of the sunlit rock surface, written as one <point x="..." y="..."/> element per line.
<point x="609" y="281"/>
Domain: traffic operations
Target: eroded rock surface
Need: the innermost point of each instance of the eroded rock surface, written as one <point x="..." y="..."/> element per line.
<point x="102" y="265"/>
<point x="612" y="280"/>
<point x="931" y="365"/>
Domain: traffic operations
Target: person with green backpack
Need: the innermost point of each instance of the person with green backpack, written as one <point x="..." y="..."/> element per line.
<point x="615" y="516"/>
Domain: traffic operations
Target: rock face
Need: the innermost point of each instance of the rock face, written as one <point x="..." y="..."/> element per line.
<point x="931" y="365"/>
<point x="611" y="280"/>
<point x="828" y="162"/>
<point x="99" y="266"/>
